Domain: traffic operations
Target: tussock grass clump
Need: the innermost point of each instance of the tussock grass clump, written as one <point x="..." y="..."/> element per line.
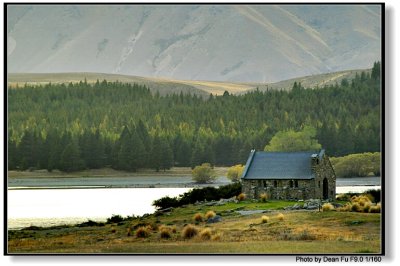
<point x="113" y="230"/>
<point x="173" y="229"/>
<point x="264" y="197"/>
<point x="264" y="219"/>
<point x="189" y="231"/>
<point x="327" y="207"/>
<point x="142" y="232"/>
<point x="305" y="235"/>
<point x="366" y="207"/>
<point x="345" y="208"/>
<point x="241" y="197"/>
<point x="375" y="209"/>
<point x="205" y="234"/>
<point x="129" y="232"/>
<point x="198" y="217"/>
<point x="216" y="237"/>
<point x="165" y="232"/>
<point x="209" y="214"/>
<point x="355" y="207"/>
<point x="280" y="216"/>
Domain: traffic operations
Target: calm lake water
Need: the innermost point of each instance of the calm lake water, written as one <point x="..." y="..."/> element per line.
<point x="46" y="207"/>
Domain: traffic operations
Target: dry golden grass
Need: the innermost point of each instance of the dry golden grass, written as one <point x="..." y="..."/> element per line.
<point x="280" y="216"/>
<point x="264" y="197"/>
<point x="264" y="219"/>
<point x="189" y="231"/>
<point x="327" y="207"/>
<point x="142" y="232"/>
<point x="205" y="234"/>
<point x="209" y="214"/>
<point x="241" y="197"/>
<point x="198" y="217"/>
<point x="165" y="233"/>
<point x="375" y="209"/>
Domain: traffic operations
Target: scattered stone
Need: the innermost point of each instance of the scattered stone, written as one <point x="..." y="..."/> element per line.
<point x="215" y="219"/>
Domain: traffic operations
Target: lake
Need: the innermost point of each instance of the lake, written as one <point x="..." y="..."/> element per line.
<point x="55" y="206"/>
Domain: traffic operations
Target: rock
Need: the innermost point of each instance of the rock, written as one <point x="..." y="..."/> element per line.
<point x="214" y="219"/>
<point x="250" y="212"/>
<point x="296" y="207"/>
<point x="312" y="207"/>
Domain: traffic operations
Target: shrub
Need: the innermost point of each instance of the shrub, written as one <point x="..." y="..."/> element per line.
<point x="189" y="231"/>
<point x="264" y="219"/>
<point x="198" y="217"/>
<point x="280" y="216"/>
<point x="375" y="193"/>
<point x="209" y="214"/>
<point x="264" y="197"/>
<point x="241" y="197"/>
<point x="204" y="173"/>
<point x="205" y="234"/>
<point x="142" y="232"/>
<point x="327" y="207"/>
<point x="115" y="219"/>
<point x="166" y="202"/>
<point x="235" y="172"/>
<point x="200" y="194"/>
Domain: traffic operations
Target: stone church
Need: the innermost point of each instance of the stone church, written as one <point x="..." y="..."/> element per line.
<point x="289" y="175"/>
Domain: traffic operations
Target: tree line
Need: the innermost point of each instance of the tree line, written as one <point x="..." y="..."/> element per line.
<point x="124" y="126"/>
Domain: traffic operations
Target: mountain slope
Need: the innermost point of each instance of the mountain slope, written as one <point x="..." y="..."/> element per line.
<point x="247" y="43"/>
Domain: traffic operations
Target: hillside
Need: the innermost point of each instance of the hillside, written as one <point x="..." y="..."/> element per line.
<point x="246" y="43"/>
<point x="170" y="86"/>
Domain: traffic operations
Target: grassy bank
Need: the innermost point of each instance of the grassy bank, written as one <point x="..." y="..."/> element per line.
<point x="282" y="231"/>
<point x="108" y="172"/>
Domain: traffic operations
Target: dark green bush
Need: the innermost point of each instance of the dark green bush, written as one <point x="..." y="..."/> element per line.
<point x="199" y="194"/>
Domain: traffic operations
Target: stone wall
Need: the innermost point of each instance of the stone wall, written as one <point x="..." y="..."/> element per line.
<point x="293" y="189"/>
<point x="324" y="170"/>
<point x="279" y="189"/>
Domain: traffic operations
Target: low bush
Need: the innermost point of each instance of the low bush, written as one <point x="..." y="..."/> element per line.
<point x="142" y="232"/>
<point x="209" y="214"/>
<point x="115" y="219"/>
<point x="327" y="207"/>
<point x="199" y="194"/>
<point x="305" y="235"/>
<point x="280" y="216"/>
<point x="189" y="231"/>
<point x="205" y="234"/>
<point x="264" y="219"/>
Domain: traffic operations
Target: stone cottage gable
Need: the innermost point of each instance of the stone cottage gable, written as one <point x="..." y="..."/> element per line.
<point x="289" y="175"/>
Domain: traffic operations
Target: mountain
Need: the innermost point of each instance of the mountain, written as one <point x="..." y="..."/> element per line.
<point x="246" y="43"/>
<point x="169" y="86"/>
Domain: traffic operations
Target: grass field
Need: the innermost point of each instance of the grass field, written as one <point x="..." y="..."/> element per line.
<point x="295" y="232"/>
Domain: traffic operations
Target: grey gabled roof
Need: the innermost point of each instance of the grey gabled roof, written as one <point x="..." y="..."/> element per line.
<point x="280" y="165"/>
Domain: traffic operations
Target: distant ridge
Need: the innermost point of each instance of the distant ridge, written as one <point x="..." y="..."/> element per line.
<point x="170" y="86"/>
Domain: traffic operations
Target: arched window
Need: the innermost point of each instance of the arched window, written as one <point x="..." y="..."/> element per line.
<point x="291" y="183"/>
<point x="275" y="183"/>
<point x="296" y="183"/>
